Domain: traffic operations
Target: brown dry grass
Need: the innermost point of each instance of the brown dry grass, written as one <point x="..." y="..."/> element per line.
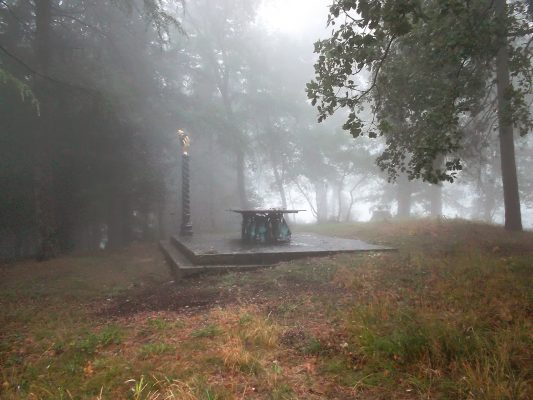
<point x="447" y="316"/>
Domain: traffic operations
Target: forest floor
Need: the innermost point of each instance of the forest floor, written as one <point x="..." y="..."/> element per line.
<point x="449" y="315"/>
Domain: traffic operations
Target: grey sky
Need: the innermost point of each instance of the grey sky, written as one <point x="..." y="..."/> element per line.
<point x="295" y="17"/>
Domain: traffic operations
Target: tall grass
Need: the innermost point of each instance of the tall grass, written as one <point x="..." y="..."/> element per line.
<point x="464" y="331"/>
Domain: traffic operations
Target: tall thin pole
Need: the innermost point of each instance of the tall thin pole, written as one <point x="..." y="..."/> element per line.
<point x="186" y="225"/>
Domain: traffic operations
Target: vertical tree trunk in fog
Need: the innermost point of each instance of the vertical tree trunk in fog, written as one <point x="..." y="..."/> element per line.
<point x="43" y="22"/>
<point x="511" y="197"/>
<point x="340" y="188"/>
<point x="404" y="198"/>
<point x="305" y="195"/>
<point x="321" y="190"/>
<point x="273" y="152"/>
<point x="486" y="200"/>
<point x="239" y="151"/>
<point x="45" y="210"/>
<point x="241" y="179"/>
<point x="349" y="207"/>
<point x="348" y="215"/>
<point x="435" y="198"/>
<point x="435" y="190"/>
<point x="211" y="201"/>
<point x="489" y="203"/>
<point x="281" y="188"/>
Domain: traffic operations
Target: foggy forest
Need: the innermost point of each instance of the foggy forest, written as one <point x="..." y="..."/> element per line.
<point x="266" y="199"/>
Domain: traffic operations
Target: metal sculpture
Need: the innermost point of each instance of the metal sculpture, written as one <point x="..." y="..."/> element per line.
<point x="265" y="226"/>
<point x="186" y="225"/>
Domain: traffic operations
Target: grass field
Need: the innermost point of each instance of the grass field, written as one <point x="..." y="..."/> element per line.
<point x="448" y="316"/>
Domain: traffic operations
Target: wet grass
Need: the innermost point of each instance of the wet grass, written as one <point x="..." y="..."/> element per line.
<point x="448" y="316"/>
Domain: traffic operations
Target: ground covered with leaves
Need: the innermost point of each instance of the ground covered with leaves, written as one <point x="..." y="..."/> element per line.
<point x="447" y="316"/>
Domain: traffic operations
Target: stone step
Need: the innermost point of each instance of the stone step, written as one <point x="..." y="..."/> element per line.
<point x="175" y="258"/>
<point x="181" y="266"/>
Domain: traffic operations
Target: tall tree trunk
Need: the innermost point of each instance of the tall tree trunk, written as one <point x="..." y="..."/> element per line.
<point x="43" y="26"/>
<point x="211" y="201"/>
<point x="340" y="188"/>
<point x="307" y="198"/>
<point x="274" y="160"/>
<point x="511" y="196"/>
<point x="352" y="197"/>
<point x="348" y="215"/>
<point x="241" y="179"/>
<point x="404" y="198"/>
<point x="435" y="190"/>
<point x="281" y="188"/>
<point x="321" y="190"/>
<point x="239" y="151"/>
<point x="45" y="207"/>
<point x="489" y="203"/>
<point x="435" y="198"/>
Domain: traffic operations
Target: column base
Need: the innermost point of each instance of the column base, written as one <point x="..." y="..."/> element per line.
<point x="186" y="230"/>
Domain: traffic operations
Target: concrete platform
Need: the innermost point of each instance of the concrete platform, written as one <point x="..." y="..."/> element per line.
<point x="204" y="253"/>
<point x="181" y="266"/>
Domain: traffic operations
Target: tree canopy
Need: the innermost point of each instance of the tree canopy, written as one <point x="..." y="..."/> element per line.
<point x="432" y="69"/>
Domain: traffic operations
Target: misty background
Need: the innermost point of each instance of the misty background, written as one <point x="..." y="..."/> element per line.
<point x="92" y="94"/>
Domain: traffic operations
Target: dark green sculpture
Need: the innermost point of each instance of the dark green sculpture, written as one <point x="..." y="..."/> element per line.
<point x="265" y="226"/>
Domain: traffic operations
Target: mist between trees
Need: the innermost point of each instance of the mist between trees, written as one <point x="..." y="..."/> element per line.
<point x="92" y="94"/>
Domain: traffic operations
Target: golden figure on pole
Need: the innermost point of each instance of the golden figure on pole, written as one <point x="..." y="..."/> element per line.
<point x="185" y="141"/>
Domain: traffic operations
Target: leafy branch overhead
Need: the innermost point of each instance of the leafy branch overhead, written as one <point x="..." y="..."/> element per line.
<point x="155" y="12"/>
<point x="23" y="90"/>
<point x="424" y="69"/>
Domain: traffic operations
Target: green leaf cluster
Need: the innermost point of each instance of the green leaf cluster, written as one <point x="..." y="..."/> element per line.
<point x="425" y="68"/>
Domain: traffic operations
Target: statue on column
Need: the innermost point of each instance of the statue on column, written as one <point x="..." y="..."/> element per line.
<point x="185" y="142"/>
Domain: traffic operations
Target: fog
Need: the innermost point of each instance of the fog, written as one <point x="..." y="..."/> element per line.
<point x="94" y="92"/>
